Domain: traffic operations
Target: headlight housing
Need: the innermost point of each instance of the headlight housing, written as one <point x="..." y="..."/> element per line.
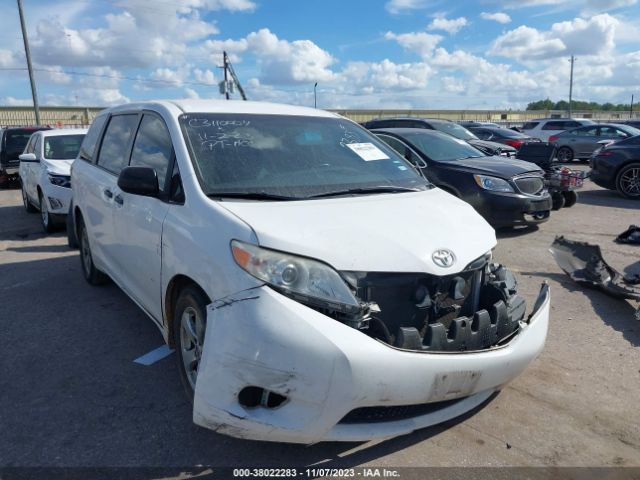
<point x="304" y="279"/>
<point x="493" y="184"/>
<point x="60" y="180"/>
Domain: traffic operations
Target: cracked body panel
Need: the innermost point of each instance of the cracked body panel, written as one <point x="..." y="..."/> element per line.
<point x="323" y="368"/>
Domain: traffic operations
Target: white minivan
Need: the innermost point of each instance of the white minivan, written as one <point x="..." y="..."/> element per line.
<point x="314" y="286"/>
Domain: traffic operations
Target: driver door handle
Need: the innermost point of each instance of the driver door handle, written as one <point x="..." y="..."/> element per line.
<point x="118" y="199"/>
<point x="108" y="193"/>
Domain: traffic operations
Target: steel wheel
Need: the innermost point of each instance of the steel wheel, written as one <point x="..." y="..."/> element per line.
<point x="565" y="154"/>
<point x="192" y="327"/>
<point x="628" y="181"/>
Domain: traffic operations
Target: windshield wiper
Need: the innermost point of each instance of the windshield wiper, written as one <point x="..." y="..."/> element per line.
<point x="251" y="196"/>
<point x="379" y="189"/>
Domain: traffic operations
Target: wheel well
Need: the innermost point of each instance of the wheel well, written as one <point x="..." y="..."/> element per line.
<point x="77" y="214"/>
<point x="176" y="285"/>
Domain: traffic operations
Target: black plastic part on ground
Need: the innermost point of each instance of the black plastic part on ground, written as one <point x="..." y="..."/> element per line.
<point x="630" y="235"/>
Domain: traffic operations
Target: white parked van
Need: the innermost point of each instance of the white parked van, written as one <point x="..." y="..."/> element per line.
<point x="314" y="285"/>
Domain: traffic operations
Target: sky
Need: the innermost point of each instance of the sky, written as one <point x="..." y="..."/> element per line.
<point x="363" y="54"/>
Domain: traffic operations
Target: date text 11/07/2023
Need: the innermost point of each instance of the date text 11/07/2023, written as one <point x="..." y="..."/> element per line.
<point x="362" y="472"/>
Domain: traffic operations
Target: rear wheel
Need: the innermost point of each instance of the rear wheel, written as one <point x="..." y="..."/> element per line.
<point x="45" y="217"/>
<point x="25" y="201"/>
<point x="570" y="198"/>
<point x="91" y="273"/>
<point x="558" y="201"/>
<point x="565" y="154"/>
<point x="189" y="325"/>
<point x="628" y="181"/>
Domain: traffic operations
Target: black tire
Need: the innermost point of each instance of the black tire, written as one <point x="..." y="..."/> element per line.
<point x="565" y="154"/>
<point x="72" y="238"/>
<point x="190" y="309"/>
<point x="46" y="219"/>
<point x="628" y="181"/>
<point x="29" y="208"/>
<point x="558" y="201"/>
<point x="570" y="198"/>
<point x="91" y="274"/>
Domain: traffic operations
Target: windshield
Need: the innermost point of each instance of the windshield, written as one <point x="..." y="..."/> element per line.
<point x="443" y="148"/>
<point x="291" y="157"/>
<point x="62" y="147"/>
<point x="16" y="141"/>
<point x="630" y="130"/>
<point x="454" y="129"/>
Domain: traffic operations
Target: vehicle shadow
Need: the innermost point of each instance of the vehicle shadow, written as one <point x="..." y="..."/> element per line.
<point x="618" y="313"/>
<point x="40" y="249"/>
<point x="512" y="232"/>
<point x="606" y="198"/>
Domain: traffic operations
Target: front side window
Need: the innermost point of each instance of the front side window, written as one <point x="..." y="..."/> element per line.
<point x="530" y="125"/>
<point x="153" y="147"/>
<point x="555" y="126"/>
<point x="30" y="146"/>
<point x="62" y="147"/>
<point x="113" y="152"/>
<point x="586" y="132"/>
<point x="293" y="157"/>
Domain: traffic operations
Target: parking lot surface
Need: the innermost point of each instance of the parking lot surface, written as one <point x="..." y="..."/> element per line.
<point x="71" y="395"/>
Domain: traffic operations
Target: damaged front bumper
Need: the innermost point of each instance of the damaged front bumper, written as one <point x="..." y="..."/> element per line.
<point x="274" y="369"/>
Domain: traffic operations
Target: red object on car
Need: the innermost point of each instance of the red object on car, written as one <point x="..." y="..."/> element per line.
<point x="514" y="143"/>
<point x="553" y="138"/>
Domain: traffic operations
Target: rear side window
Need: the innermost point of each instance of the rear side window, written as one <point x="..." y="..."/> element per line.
<point x="113" y="152"/>
<point x="88" y="147"/>
<point x="556" y="125"/>
<point x="152" y="147"/>
<point x="530" y="125"/>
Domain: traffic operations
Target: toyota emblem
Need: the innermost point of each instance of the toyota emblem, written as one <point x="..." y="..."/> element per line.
<point x="443" y="258"/>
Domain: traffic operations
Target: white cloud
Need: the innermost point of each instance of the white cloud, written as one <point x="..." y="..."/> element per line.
<point x="450" y="26"/>
<point x="402" y="6"/>
<point x="499" y="17"/>
<point x="594" y="36"/>
<point x="417" y="42"/>
<point x="453" y="85"/>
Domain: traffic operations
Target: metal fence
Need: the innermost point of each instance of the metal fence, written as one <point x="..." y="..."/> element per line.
<point x="83" y="116"/>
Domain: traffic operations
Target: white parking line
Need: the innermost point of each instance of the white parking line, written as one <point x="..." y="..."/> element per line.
<point x="154" y="355"/>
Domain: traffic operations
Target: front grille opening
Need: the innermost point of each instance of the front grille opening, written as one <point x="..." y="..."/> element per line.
<point x="252" y="397"/>
<point x="395" y="413"/>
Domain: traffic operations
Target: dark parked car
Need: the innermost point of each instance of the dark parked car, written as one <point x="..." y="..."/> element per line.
<point x="506" y="192"/>
<point x="12" y="143"/>
<point x="581" y="142"/>
<point x="472" y="123"/>
<point x="503" y="135"/>
<point x="450" y="128"/>
<point x="617" y="167"/>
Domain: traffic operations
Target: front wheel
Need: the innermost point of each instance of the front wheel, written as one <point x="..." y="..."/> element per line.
<point x="189" y="325"/>
<point x="558" y="201"/>
<point x="29" y="208"/>
<point x="565" y="154"/>
<point x="628" y="181"/>
<point x="45" y="217"/>
<point x="91" y="274"/>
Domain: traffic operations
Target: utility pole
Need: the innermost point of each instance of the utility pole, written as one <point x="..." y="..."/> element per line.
<point x="315" y="97"/>
<point x="572" y="60"/>
<point x="225" y="61"/>
<point x="27" y="52"/>
<point x="631" y="108"/>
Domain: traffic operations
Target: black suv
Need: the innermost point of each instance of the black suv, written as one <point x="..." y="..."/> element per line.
<point x="12" y="143"/>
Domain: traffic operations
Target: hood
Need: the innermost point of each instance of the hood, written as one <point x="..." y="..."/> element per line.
<point x="497" y="166"/>
<point x="373" y="233"/>
<point x="492" y="145"/>
<point x="58" y="167"/>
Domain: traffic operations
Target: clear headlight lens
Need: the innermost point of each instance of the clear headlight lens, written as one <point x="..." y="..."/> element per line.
<point x="304" y="279"/>
<point x="494" y="184"/>
<point x="60" y="180"/>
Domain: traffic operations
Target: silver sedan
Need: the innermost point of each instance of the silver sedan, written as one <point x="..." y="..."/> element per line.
<point x="582" y="141"/>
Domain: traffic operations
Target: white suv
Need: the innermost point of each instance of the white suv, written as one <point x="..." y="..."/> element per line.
<point x="313" y="284"/>
<point x="543" y="128"/>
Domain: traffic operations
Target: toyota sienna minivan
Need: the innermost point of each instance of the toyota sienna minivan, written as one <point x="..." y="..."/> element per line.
<point x="314" y="286"/>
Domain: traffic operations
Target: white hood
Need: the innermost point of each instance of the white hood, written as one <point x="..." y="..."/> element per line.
<point x="58" y="167"/>
<point x="377" y="233"/>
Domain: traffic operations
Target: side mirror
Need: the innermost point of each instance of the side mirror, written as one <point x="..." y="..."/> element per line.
<point x="28" y="157"/>
<point x="139" y="181"/>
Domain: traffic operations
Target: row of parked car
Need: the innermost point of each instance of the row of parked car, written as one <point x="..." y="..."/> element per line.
<point x="302" y="267"/>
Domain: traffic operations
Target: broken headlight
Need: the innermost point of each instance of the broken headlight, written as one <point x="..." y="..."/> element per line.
<point x="304" y="279"/>
<point x="494" y="184"/>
